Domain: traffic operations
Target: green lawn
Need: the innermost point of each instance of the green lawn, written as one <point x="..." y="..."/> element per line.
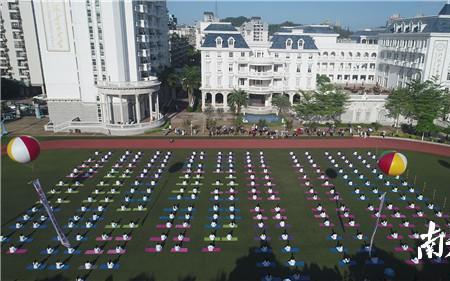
<point x="237" y="261"/>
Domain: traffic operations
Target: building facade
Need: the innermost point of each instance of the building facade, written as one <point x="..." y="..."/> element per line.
<point x="178" y="47"/>
<point x="280" y="65"/>
<point x="415" y="48"/>
<point x="351" y="61"/>
<point x="20" y="58"/>
<point x="99" y="59"/>
<point x="255" y="30"/>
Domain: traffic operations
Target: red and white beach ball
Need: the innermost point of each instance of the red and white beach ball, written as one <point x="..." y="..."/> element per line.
<point x="23" y="149"/>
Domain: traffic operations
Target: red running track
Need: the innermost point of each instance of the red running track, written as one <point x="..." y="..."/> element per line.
<point x="205" y="143"/>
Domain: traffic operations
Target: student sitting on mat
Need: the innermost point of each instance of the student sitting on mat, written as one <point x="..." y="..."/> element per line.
<point x="285" y="235"/>
<point x="287" y="247"/>
<point x="49" y="250"/>
<point x="333" y="235"/>
<point x="229" y="236"/>
<point x="110" y="264"/>
<point x="36" y="264"/>
<point x="261" y="224"/>
<point x="359" y="235"/>
<point x="87" y="265"/>
<point x="339" y="248"/>
<point x="346" y="260"/>
<point x="12" y="249"/>
<point x="59" y="264"/>
<point x="263" y="236"/>
<point x="210" y="247"/>
<point x="257" y="208"/>
<point x="292" y="261"/>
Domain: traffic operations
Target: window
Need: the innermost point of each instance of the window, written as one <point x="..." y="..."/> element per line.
<point x="276" y="55"/>
<point x="448" y="75"/>
<point x="219" y="67"/>
<point x="231" y="42"/>
<point x="230" y="54"/>
<point x="241" y="81"/>
<point x="219" y="42"/>
<point x="289" y="43"/>
<point x="310" y="57"/>
<point x="288" y="56"/>
<point x="242" y="54"/>
<point x="299" y="56"/>
<point x="300" y="43"/>
<point x="230" y="67"/>
<point x="309" y="67"/>
<point x="299" y="67"/>
<point x="207" y="54"/>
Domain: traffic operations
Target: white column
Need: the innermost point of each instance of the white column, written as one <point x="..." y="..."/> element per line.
<point x="213" y="100"/>
<point x="203" y="100"/>
<point x="105" y="116"/>
<point x="150" y="104"/>
<point x="121" y="109"/>
<point x="225" y="100"/>
<point x="138" y="109"/>
<point x="157" y="106"/>
<point x="111" y="107"/>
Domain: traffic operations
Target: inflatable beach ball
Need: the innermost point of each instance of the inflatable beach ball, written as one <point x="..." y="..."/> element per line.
<point x="392" y="163"/>
<point x="23" y="149"/>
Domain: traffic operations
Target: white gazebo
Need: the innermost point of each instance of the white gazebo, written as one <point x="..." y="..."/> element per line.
<point x="129" y="103"/>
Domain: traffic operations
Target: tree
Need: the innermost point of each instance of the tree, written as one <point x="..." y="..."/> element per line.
<point x="190" y="81"/>
<point x="399" y="103"/>
<point x="445" y="105"/>
<point x="322" y="80"/>
<point x="427" y="100"/>
<point x="282" y="103"/>
<point x="237" y="99"/>
<point x="322" y="105"/>
<point x="307" y="109"/>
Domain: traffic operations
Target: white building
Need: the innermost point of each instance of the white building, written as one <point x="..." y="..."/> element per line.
<point x="19" y="50"/>
<point x="99" y="59"/>
<point x="208" y="18"/>
<point x="255" y="30"/>
<point x="351" y="61"/>
<point x="282" y="64"/>
<point x="415" y="48"/>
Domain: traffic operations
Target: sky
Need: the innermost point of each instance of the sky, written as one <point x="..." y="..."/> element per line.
<point x="353" y="14"/>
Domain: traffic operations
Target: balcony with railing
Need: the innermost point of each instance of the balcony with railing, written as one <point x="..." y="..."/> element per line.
<point x="142" y="23"/>
<point x="141" y="8"/>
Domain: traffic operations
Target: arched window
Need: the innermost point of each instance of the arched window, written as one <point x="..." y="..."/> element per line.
<point x="333" y="54"/>
<point x="231" y="42"/>
<point x="363" y="41"/>
<point x="373" y="55"/>
<point x="358" y="54"/>
<point x="289" y="43"/>
<point x="219" y="42"/>
<point x="300" y="43"/>
<point x="350" y="54"/>
<point x="342" y="54"/>
<point x="366" y="54"/>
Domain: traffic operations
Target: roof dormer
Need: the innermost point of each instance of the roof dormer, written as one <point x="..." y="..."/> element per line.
<point x="219" y="41"/>
<point x="289" y="43"/>
<point x="231" y="42"/>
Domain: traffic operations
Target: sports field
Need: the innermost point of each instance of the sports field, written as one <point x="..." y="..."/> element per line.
<point x="244" y="178"/>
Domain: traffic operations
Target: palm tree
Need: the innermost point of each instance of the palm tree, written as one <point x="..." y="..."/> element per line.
<point x="282" y="103"/>
<point x="190" y="81"/>
<point x="237" y="99"/>
<point x="172" y="82"/>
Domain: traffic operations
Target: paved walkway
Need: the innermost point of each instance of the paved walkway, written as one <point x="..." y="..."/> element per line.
<point x="205" y="143"/>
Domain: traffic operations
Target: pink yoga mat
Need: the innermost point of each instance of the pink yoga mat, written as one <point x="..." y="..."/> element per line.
<point x="331" y="225"/>
<point x="215" y="250"/>
<point x="256" y="192"/>
<point x="17" y="252"/>
<point x="155" y="239"/>
<point x="263" y="218"/>
<point x="99" y="238"/>
<point x="347" y="225"/>
<point x="257" y="199"/>
<point x="275" y="199"/>
<point x="400" y="249"/>
<point x="409" y="226"/>
<point x="411" y="263"/>
<point x="181" y="226"/>
<point x="182" y="250"/>
<point x="281" y="218"/>
<point x="390" y="238"/>
<point x="281" y="210"/>
<point x="120" y="238"/>
<point x="349" y="216"/>
<point x="151" y="250"/>
<point x="185" y="239"/>
<point x="312" y="199"/>
<point x="113" y="252"/>
<point x="388" y="225"/>
<point x="91" y="252"/>
<point x="159" y="226"/>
